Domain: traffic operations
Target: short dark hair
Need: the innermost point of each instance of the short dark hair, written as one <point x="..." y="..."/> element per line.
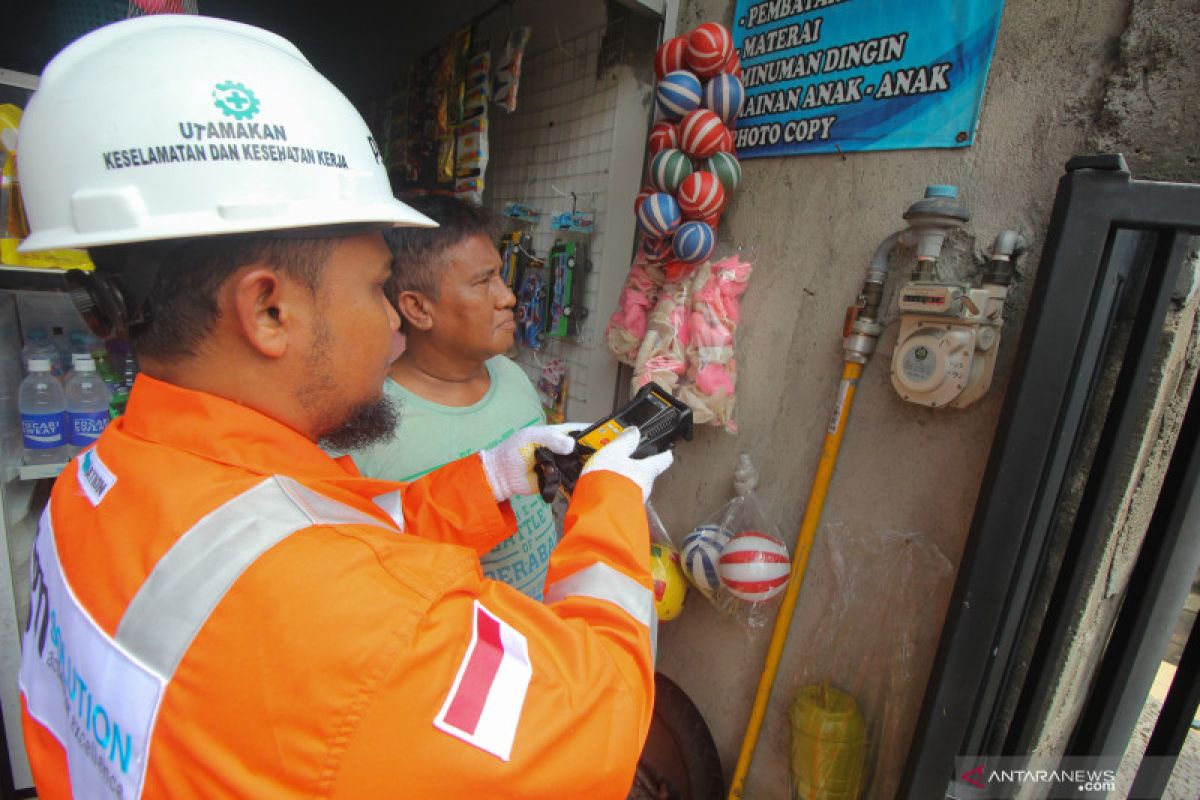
<point x="417" y="252"/>
<point x="188" y="274"/>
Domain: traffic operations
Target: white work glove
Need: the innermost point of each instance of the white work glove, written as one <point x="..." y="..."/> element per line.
<point x="616" y="456"/>
<point x="509" y="465"/>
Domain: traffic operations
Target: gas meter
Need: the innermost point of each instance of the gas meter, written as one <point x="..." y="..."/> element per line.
<point x="949" y="331"/>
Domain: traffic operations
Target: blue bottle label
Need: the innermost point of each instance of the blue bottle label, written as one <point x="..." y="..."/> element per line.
<point x="86" y="426"/>
<point x="43" y="431"/>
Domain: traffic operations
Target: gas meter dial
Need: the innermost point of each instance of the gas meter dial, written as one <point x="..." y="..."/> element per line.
<point x="931" y="365"/>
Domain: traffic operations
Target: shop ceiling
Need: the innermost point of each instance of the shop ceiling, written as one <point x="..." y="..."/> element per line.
<point x="359" y="47"/>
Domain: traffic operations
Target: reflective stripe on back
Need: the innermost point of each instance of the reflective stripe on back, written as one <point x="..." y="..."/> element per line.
<point x="99" y="696"/>
<point x="191" y="578"/>
<point x="97" y="699"/>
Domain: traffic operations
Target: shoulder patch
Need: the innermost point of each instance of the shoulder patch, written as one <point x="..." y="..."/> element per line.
<point x="95" y="478"/>
<point x="485" y="701"/>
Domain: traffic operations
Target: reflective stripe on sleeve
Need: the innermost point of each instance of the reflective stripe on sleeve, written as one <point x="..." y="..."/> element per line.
<point x="393" y="504"/>
<point x="602" y="582"/>
<point x="191" y="578"/>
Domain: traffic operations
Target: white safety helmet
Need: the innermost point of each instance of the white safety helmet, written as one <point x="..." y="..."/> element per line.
<point x="175" y="126"/>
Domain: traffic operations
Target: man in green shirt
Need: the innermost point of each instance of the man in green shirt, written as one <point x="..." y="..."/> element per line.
<point x="455" y="390"/>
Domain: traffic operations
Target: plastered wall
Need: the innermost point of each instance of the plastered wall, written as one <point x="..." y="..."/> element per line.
<point x="1067" y="77"/>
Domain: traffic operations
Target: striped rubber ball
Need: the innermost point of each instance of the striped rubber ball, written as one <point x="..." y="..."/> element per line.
<point x="700" y="195"/>
<point x="709" y="48"/>
<point x="656" y="251"/>
<point x="727" y="143"/>
<point x="668" y="170"/>
<point x="670" y="56"/>
<point x="663" y="136"/>
<point x="701" y="553"/>
<point x="642" y="195"/>
<point x="754" y="567"/>
<point x="701" y="133"/>
<point x="723" y="95"/>
<point x="733" y="66"/>
<point x="678" y="93"/>
<point x="693" y="242"/>
<point x="658" y="216"/>
<point x="727" y="169"/>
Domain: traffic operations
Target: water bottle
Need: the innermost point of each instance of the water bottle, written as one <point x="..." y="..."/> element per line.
<point x="37" y="345"/>
<point x="62" y="345"/>
<point x="87" y="405"/>
<point x="43" y="415"/>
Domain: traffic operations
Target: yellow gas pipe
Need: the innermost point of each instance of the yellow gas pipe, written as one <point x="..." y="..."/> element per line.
<point x="859" y="336"/>
<point x="808" y="528"/>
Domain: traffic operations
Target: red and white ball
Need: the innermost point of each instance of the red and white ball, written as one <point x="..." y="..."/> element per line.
<point x="656" y="251"/>
<point x="671" y="56"/>
<point x="754" y="566"/>
<point x="700" y="195"/>
<point x="701" y="133"/>
<point x="663" y="136"/>
<point x="733" y="66"/>
<point x="642" y="195"/>
<point x="727" y="141"/>
<point x="709" y="48"/>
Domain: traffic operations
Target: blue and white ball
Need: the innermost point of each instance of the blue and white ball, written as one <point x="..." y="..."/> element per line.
<point x="678" y="93"/>
<point x="723" y="96"/>
<point x="658" y="215"/>
<point x="702" y="554"/>
<point x="693" y="242"/>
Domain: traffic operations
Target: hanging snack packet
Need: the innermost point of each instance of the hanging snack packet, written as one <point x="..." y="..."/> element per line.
<point x="714" y="314"/>
<point x="508" y="69"/>
<point x="627" y="326"/>
<point x="662" y="356"/>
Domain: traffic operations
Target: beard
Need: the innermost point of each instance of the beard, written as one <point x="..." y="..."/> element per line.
<point x="372" y="422"/>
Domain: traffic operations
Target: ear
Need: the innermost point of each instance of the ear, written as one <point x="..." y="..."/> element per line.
<point x="416" y="309"/>
<point x="264" y="310"/>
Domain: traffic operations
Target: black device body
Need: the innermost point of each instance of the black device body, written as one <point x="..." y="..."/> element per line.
<point x="660" y="418"/>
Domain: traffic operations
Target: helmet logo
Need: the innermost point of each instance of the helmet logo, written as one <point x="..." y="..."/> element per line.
<point x="235" y="100"/>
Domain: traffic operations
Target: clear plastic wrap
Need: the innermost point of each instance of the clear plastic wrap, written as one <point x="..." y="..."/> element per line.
<point x="713" y="318"/>
<point x="627" y="326"/>
<point x="662" y="356"/>
<point x="666" y="570"/>
<point x="858" y="628"/>
<point x="736" y="557"/>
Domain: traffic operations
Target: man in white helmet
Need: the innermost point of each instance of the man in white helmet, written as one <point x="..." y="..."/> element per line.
<point x="218" y="609"/>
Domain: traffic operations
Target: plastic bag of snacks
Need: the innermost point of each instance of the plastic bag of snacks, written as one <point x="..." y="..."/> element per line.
<point x="713" y="317"/>
<point x="627" y="326"/>
<point x="736" y="557"/>
<point x="662" y="356"/>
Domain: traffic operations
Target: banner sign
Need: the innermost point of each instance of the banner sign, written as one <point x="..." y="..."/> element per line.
<point x="825" y="76"/>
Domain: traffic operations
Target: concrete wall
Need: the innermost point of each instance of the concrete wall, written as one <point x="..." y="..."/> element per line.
<point x="1067" y="78"/>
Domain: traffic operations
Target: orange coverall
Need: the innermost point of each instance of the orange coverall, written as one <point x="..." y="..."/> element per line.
<point x="350" y="659"/>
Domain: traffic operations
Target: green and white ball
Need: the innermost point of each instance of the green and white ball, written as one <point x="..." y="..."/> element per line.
<point x="668" y="169"/>
<point x="726" y="168"/>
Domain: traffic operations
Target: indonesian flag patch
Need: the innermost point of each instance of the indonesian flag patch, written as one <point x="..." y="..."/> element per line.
<point x="485" y="701"/>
